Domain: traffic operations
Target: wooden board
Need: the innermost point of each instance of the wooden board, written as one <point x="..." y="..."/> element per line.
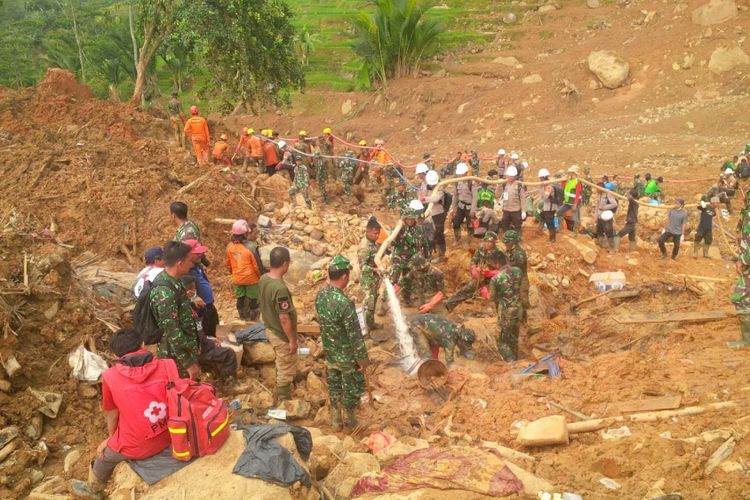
<point x="650" y="404"/>
<point x="624" y="294"/>
<point x="309" y="330"/>
<point x="639" y="318"/>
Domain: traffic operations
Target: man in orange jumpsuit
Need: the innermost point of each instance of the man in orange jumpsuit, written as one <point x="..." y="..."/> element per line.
<point x="255" y="150"/>
<point x="381" y="156"/>
<point x="196" y="127"/>
<point x="270" y="157"/>
<point x="220" y="152"/>
<point x="241" y="147"/>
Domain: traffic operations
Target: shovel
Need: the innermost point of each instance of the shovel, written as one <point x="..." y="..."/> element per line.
<point x="574" y="307"/>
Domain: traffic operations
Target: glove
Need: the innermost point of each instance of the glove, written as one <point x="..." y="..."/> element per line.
<point x="485" y="292"/>
<point x="490" y="274"/>
<point x="682" y="238"/>
<point x="474" y="273"/>
<point x="523" y="215"/>
<point x="475" y="223"/>
<point x="397" y="288"/>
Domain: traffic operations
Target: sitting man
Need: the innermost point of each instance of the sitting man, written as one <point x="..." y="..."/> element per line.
<point x="136" y="386"/>
<point x="431" y="332"/>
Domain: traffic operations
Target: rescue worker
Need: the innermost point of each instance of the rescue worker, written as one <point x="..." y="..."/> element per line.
<point x="431" y="332"/>
<point x="270" y="157"/>
<point x="727" y="187"/>
<point x="704" y="231"/>
<point x="245" y="271"/>
<point x="427" y="160"/>
<point x="176" y="119"/>
<point x="631" y="220"/>
<point x="196" y="127"/>
<point x="549" y="198"/>
<point x="301" y="184"/>
<point x="326" y="147"/>
<point x="346" y="353"/>
<point x="302" y="149"/>
<point x="428" y="280"/>
<point x="653" y="188"/>
<point x="255" y="150"/>
<point x="437" y="216"/>
<point x="638" y="186"/>
<point x="571" y="200"/>
<point x="675" y="229"/>
<point x="501" y="163"/>
<point x="288" y="160"/>
<point x="401" y="196"/>
<point x="474" y="163"/>
<point x="586" y="190"/>
<point x="186" y="228"/>
<point x="741" y="295"/>
<point x="363" y="164"/>
<point x="241" y="148"/>
<point x="347" y="167"/>
<point x="319" y="164"/>
<point x="486" y="220"/>
<point x="517" y="258"/>
<point x="464" y="199"/>
<point x="504" y="293"/>
<point x="484" y="265"/>
<point x="421" y="180"/>
<point x="369" y="275"/>
<point x="513" y="196"/>
<point x="381" y="157"/>
<point x="605" y="231"/>
<point x="410" y="242"/>
<point x="220" y="152"/>
<point x="154" y="260"/>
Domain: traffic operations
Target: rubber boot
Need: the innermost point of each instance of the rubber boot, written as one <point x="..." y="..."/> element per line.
<point x="283" y="393"/>
<point x="91" y="488"/>
<point x="632" y="246"/>
<point x="695" y="250"/>
<point x="241" y="308"/>
<point x="614" y="244"/>
<point x="744" y="333"/>
<point x="601" y="241"/>
<point x="350" y="418"/>
<point x="337" y="423"/>
<point x="457" y="237"/>
<point x="706" y="246"/>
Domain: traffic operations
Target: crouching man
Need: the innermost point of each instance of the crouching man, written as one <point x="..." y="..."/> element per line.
<point x="431" y="332"/>
<point x="134" y="400"/>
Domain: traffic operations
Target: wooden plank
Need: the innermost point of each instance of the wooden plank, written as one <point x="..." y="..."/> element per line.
<point x="624" y="294"/>
<point x="641" y="318"/>
<point x="650" y="404"/>
<point x="709" y="279"/>
<point x="310" y="330"/>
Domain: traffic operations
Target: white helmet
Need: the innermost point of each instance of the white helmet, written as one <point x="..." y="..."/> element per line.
<point x="728" y="171"/>
<point x="461" y="169"/>
<point x="416" y="205"/>
<point x="282" y="144"/>
<point x="501" y="152"/>
<point x="607" y="215"/>
<point x="543" y="173"/>
<point x="525" y="164"/>
<point x="422" y="168"/>
<point x="511" y="171"/>
<point x="514" y="156"/>
<point x="432" y="178"/>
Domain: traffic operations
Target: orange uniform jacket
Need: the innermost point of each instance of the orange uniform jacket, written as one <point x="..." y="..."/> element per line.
<point x="255" y="146"/>
<point x="241" y="262"/>
<point x="380" y="156"/>
<point x="241" y="144"/>
<point x="271" y="158"/>
<point x="219" y="149"/>
<point x="197" y="129"/>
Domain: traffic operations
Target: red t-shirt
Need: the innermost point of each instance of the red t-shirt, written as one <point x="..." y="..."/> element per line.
<point x="139" y="393"/>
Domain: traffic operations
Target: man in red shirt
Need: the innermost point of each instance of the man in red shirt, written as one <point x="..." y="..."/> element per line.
<point x="134" y="400"/>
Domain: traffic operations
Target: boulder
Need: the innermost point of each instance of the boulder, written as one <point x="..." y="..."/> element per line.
<point x="258" y="353"/>
<point x="726" y="59"/>
<point x="507" y="61"/>
<point x="593" y="4"/>
<point x="533" y="78"/>
<point x="545" y="431"/>
<point x="403" y="446"/>
<point x="296" y="408"/>
<point x="325" y="455"/>
<point x="301" y="262"/>
<point x="345" y="475"/>
<point x="715" y="12"/>
<point x="70" y="459"/>
<point x="609" y="68"/>
<point x="315" y="385"/>
<point x="546" y="8"/>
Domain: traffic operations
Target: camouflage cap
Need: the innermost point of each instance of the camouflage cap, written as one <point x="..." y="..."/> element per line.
<point x="339" y="263"/>
<point x="490" y="236"/>
<point x="511" y="236"/>
<point x="467" y="335"/>
<point x="409" y="213"/>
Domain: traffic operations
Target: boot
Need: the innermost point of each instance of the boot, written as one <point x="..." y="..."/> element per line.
<point x="91" y="488"/>
<point x="601" y="241"/>
<point x="350" y="418"/>
<point x="336" y="421"/>
<point x="457" y="237"/>
<point x="744" y="333"/>
<point x="614" y="244"/>
<point x="695" y="250"/>
<point x="631" y="246"/>
<point x="706" y="246"/>
<point x="241" y="307"/>
<point x="283" y="393"/>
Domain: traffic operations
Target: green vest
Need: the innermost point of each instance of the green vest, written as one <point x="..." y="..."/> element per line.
<point x="570" y="189"/>
<point x="485" y="194"/>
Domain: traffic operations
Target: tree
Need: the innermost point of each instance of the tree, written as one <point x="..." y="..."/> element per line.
<point x="394" y="39"/>
<point x="305" y="42"/>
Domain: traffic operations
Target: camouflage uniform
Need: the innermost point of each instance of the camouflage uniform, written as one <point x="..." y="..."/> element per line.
<point x="301" y="183"/>
<point x="431" y="332"/>
<point x="322" y="175"/>
<point x="504" y="293"/>
<point x="174" y="315"/>
<point x="474" y="164"/>
<point x="391" y="179"/>
<point x="368" y="277"/>
<point x="741" y="295"/>
<point x="347" y="167"/>
<point x="188" y="231"/>
<point x="301" y="151"/>
<point x="343" y="344"/>
<point x="586" y="190"/>
<point x="517" y="258"/>
<point x="400" y="199"/>
<point x="485" y="261"/>
<point x="638" y="186"/>
<point x="410" y="247"/>
<point x="424" y="277"/>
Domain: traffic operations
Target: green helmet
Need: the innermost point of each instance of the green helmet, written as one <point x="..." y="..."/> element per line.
<point x="511" y="236"/>
<point x="490" y="236"/>
<point x="339" y="263"/>
<point x="747" y="147"/>
<point x="409" y="213"/>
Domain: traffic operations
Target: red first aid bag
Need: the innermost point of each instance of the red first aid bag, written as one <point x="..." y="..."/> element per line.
<point x="198" y="420"/>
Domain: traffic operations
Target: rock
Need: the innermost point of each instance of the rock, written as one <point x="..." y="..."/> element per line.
<point x="318" y="250"/>
<point x="268" y="374"/>
<point x="5" y="386"/>
<point x="323" y="417"/>
<point x="269" y="207"/>
<point x="507" y="61"/>
<point x="592" y="4"/>
<point x="402" y="446"/>
<point x="315" y="385"/>
<point x="8" y="435"/>
<point x="510" y="18"/>
<point x="726" y="59"/>
<point x="690" y="125"/>
<point x="316" y="235"/>
<point x="298" y="225"/>
<point x="36" y="426"/>
<point x="533" y="78"/>
<point x="36" y="476"/>
<point x="325" y="455"/>
<point x="715" y="12"/>
<point x="346" y="107"/>
<point x="258" y="353"/>
<point x="320" y="264"/>
<point x="87" y="391"/>
<point x="461" y="108"/>
<point x="545" y="431"/>
<point x="609" y="68"/>
<point x="70" y="459"/>
<point x="54" y="487"/>
<point x="296" y="408"/>
<point x="52" y="310"/>
<point x="546" y="8"/>
<point x="508" y="116"/>
<point x="301" y="262"/>
<point x="345" y="475"/>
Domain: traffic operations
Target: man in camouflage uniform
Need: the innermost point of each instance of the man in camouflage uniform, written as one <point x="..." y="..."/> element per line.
<point x="504" y="289"/>
<point x="401" y="195"/>
<point x="427" y="160"/>
<point x="176" y="119"/>
<point x="322" y="175"/>
<point x="186" y="229"/>
<point x="586" y="190"/>
<point x="347" y="166"/>
<point x="391" y="180"/>
<point x="410" y="246"/>
<point x="431" y="332"/>
<point x="428" y="280"/>
<point x="302" y="149"/>
<point x="741" y="295"/>
<point x="301" y="184"/>
<point x="474" y="163"/>
<point x="325" y="144"/>
<point x="369" y="276"/>
<point x="638" y="185"/>
<point x="517" y="258"/>
<point x="346" y="354"/>
<point x="484" y="265"/>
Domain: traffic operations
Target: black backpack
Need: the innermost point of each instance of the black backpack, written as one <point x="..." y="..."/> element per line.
<point x="144" y="320"/>
<point x="558" y="195"/>
<point x="447" y="201"/>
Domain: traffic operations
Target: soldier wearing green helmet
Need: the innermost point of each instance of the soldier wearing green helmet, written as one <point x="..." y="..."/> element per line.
<point x="517" y="258"/>
<point x="410" y="247"/>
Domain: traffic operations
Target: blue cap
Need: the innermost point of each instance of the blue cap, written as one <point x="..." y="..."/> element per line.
<point x="152" y="254"/>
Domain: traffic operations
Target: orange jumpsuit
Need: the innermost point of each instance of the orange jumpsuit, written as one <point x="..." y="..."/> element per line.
<point x="271" y="159"/>
<point x="380" y="156"/>
<point x="255" y="149"/>
<point x="221" y="153"/>
<point x="197" y="129"/>
<point x="242" y="145"/>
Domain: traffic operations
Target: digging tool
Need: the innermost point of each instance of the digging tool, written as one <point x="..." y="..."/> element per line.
<point x="574" y="307"/>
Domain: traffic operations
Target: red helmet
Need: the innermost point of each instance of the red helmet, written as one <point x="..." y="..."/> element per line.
<point x="193" y="110"/>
